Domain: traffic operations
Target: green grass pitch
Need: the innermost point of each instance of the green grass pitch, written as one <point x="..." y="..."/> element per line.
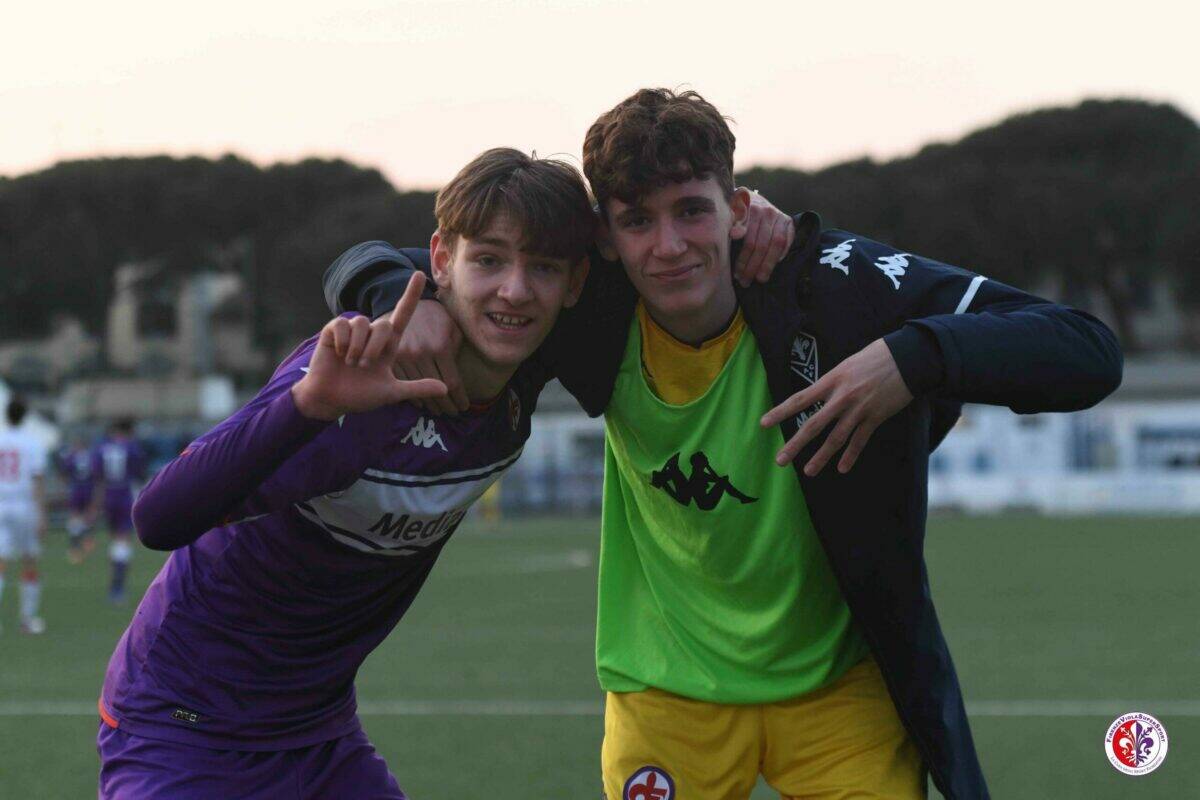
<point x="487" y="690"/>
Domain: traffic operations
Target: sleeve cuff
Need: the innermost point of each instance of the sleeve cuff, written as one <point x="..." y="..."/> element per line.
<point x="918" y="357"/>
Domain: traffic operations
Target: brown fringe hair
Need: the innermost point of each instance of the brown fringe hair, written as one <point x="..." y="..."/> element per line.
<point x="546" y="198"/>
<point x="654" y="137"/>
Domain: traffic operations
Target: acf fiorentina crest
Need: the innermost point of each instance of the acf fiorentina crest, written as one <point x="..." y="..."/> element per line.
<point x="514" y="409"/>
<point x="649" y="783"/>
<point x="803" y="361"/>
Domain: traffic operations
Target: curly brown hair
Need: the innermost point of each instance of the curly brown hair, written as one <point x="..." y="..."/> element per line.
<point x="654" y="137"/>
<point x="545" y="198"/>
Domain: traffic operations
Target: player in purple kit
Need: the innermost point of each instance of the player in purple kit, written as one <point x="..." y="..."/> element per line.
<point x="305" y="524"/>
<point x="119" y="464"/>
<point x="75" y="465"/>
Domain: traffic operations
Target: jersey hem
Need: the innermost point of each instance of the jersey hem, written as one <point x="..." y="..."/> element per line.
<point x="210" y="741"/>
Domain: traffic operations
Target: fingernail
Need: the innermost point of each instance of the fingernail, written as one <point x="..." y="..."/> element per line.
<point x="362" y="362"/>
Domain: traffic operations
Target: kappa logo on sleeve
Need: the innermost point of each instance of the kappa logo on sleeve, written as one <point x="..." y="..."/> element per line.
<point x="836" y="257"/>
<point x="893" y="266"/>
<point x="649" y="783"/>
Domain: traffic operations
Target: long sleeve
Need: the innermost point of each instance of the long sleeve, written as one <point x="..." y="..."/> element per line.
<point x="968" y="338"/>
<point x="262" y="459"/>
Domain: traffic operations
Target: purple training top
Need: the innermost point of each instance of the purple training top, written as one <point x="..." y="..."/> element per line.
<point x="252" y="633"/>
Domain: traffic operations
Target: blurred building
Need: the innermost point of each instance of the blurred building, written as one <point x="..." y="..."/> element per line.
<point x="170" y="351"/>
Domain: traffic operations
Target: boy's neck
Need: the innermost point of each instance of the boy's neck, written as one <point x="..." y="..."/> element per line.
<point x="482" y="381"/>
<point x="696" y="328"/>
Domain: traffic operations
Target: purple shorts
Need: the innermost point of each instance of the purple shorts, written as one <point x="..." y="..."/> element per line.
<point x="133" y="767"/>
<point x="80" y="499"/>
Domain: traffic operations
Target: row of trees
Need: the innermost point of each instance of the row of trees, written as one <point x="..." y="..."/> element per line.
<point x="1100" y="198"/>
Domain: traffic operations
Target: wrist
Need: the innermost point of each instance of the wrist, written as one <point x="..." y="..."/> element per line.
<point x="309" y="406"/>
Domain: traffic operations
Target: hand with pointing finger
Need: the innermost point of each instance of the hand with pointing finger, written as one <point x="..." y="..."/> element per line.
<point x="858" y="395"/>
<point x="352" y="366"/>
<point x="429" y="348"/>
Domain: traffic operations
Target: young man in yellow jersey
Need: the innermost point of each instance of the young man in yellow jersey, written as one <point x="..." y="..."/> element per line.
<point x="751" y="619"/>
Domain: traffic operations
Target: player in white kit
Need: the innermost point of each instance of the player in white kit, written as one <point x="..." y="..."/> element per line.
<point x="22" y="510"/>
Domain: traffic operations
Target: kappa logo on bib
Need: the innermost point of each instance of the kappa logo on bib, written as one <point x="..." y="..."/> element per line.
<point x="704" y="486"/>
<point x="649" y="783"/>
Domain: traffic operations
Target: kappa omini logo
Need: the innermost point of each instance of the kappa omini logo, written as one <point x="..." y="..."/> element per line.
<point x="649" y="783"/>
<point x="836" y="257"/>
<point x="423" y="434"/>
<point x="1136" y="743"/>
<point x="893" y="266"/>
<point x="704" y="486"/>
<point x="803" y="362"/>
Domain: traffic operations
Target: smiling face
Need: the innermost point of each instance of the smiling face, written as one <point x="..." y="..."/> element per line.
<point x="675" y="242"/>
<point x="504" y="299"/>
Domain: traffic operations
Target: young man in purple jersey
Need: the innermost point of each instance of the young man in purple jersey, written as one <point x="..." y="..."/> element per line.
<point x="305" y="524"/>
<point x="119" y="464"/>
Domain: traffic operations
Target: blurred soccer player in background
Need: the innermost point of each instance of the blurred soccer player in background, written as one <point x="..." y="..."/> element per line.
<point x="74" y="463"/>
<point x="753" y="620"/>
<point x="23" y="461"/>
<point x="119" y="467"/>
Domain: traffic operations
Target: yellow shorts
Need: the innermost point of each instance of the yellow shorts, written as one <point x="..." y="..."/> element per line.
<point x="842" y="741"/>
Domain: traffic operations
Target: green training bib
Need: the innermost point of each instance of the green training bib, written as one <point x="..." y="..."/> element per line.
<point x="712" y="582"/>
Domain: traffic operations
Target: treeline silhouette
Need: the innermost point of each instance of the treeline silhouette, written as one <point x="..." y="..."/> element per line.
<point x="1093" y="203"/>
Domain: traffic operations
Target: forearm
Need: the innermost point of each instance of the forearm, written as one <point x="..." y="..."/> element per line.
<point x="200" y="488"/>
<point x="371" y="276"/>
<point x="1034" y="358"/>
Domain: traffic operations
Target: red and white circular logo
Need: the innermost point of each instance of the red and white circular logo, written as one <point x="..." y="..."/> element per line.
<point x="649" y="783"/>
<point x="1136" y="743"/>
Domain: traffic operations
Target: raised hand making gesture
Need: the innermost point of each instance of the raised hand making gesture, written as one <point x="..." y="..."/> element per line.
<point x="859" y="394"/>
<point x="352" y="366"/>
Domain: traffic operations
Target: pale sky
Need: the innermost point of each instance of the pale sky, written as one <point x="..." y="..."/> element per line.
<point x="418" y="88"/>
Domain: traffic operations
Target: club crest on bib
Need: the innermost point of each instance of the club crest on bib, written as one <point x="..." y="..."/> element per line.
<point x="649" y="783"/>
<point x="803" y="361"/>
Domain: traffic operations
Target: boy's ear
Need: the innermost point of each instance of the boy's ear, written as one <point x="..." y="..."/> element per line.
<point x="739" y="204"/>
<point x="579" y="273"/>
<point x="440" y="257"/>
<point x="604" y="242"/>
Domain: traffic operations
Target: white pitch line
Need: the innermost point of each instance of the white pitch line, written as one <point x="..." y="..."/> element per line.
<point x="544" y="562"/>
<point x="1082" y="708"/>
<point x="595" y="708"/>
